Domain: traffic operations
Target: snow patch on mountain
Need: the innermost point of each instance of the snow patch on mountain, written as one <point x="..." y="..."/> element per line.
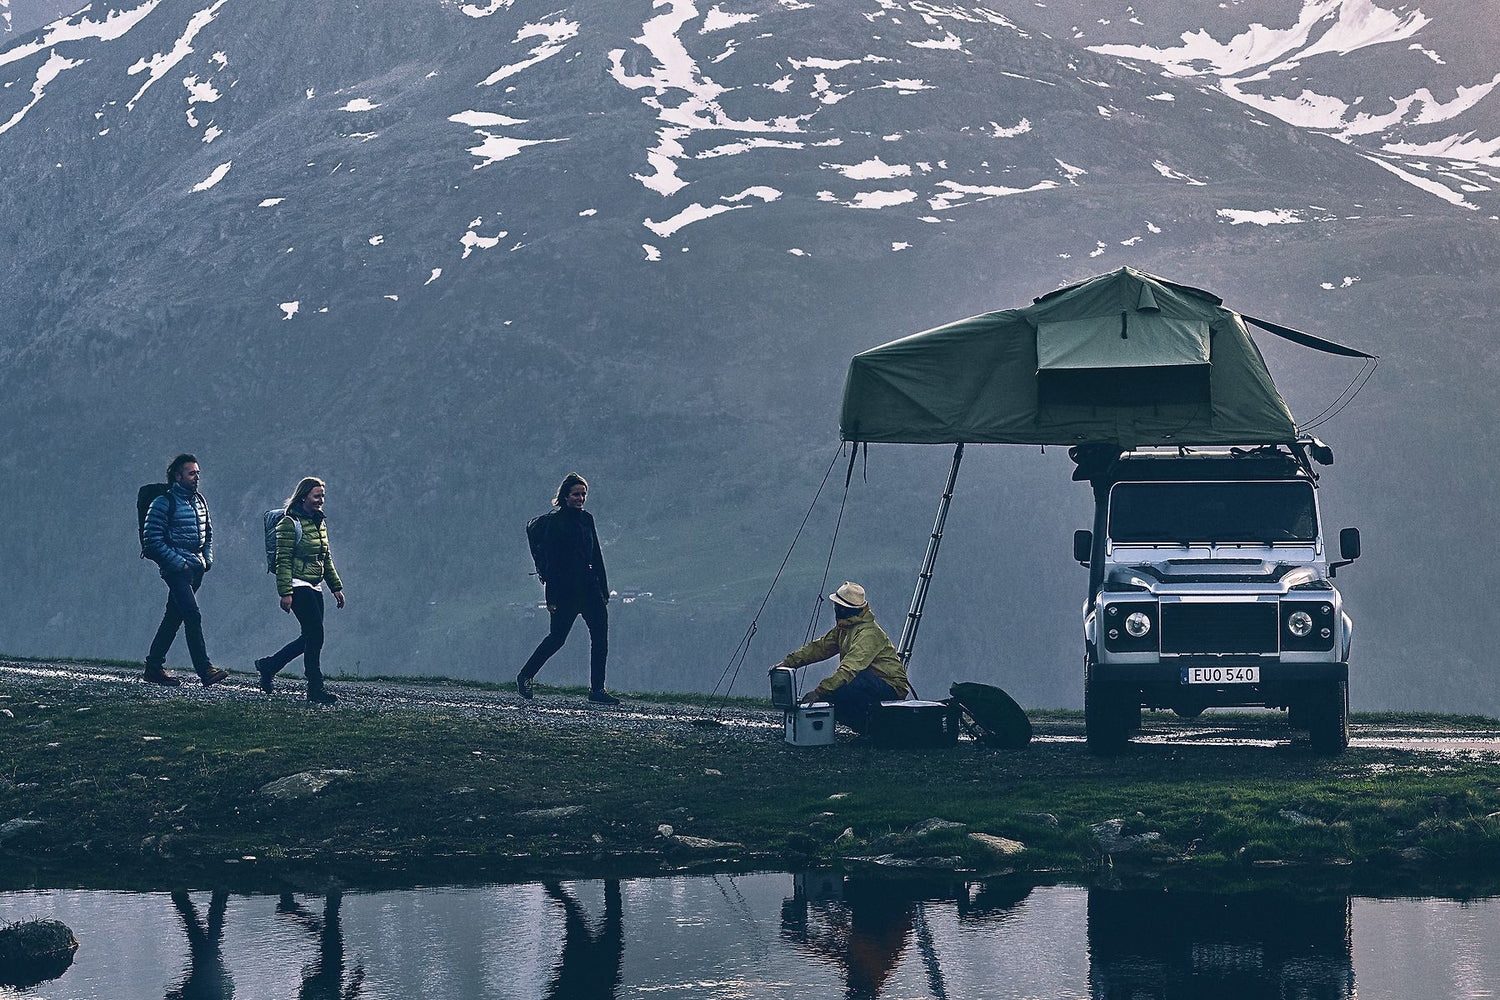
<point x="1176" y="175"/>
<point x="218" y="174"/>
<point x="554" y="34"/>
<point x="871" y="199"/>
<point x="360" y="104"/>
<point x="45" y="74"/>
<point x="1346" y="25"/>
<point x="959" y="194"/>
<point x="1267" y="217"/>
<point x="79" y="27"/>
<point x="471" y="240"/>
<point x="717" y="20"/>
<point x="200" y="92"/>
<point x="874" y="169"/>
<point x="162" y="63"/>
<point x="1010" y="132"/>
<point x="1427" y="184"/>
<point x="495" y="147"/>
<point x="289" y="309"/>
<point x="485" y="9"/>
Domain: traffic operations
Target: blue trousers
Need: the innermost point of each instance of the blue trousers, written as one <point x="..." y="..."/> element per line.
<point x="853" y="703"/>
<point x="182" y="612"/>
<point x="307" y="605"/>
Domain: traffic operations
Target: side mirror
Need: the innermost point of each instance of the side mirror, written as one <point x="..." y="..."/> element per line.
<point x="1083" y="545"/>
<point x="1349" y="544"/>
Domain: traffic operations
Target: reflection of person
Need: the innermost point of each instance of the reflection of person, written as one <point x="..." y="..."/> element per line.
<point x="179" y="537"/>
<point x="570" y="564"/>
<point x="207" y="978"/>
<point x="303" y="563"/>
<point x="866" y="933"/>
<point x="869" y="669"/>
<point x="591" y="964"/>
<point x="323" y="979"/>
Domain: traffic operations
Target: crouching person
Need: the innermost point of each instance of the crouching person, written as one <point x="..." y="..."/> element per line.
<point x="869" y="669"/>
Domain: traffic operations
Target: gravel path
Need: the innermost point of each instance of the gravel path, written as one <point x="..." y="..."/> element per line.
<point x="561" y="711"/>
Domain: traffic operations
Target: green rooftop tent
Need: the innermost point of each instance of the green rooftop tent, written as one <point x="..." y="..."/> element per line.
<point x="1120" y="361"/>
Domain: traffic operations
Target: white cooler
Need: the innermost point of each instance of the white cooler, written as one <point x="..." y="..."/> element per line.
<point x="810" y="725"/>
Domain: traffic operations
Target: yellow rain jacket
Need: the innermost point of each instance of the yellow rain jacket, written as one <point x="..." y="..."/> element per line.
<point x="860" y="644"/>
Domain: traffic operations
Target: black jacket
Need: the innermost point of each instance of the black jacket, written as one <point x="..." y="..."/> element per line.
<point x="565" y="549"/>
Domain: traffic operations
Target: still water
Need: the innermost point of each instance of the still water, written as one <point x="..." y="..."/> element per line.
<point x="817" y="935"/>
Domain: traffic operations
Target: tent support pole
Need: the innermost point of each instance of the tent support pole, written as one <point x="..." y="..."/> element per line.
<point x="919" y="597"/>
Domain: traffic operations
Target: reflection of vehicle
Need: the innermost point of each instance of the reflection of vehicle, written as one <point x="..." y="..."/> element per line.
<point x="1210" y="584"/>
<point x="1171" y="945"/>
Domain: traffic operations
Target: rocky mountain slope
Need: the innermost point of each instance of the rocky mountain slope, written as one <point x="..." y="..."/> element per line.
<point x="441" y="253"/>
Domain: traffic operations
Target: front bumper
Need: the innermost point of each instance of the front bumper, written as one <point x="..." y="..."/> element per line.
<point x="1160" y="684"/>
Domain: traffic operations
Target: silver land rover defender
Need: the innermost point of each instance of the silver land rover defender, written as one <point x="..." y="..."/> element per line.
<point x="1211" y="585"/>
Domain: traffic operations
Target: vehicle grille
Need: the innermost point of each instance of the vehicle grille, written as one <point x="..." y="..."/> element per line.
<point x="1219" y="628"/>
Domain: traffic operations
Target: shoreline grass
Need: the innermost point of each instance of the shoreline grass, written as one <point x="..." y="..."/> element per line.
<point x="117" y="788"/>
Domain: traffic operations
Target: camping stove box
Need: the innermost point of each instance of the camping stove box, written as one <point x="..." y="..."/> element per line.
<point x="810" y="725"/>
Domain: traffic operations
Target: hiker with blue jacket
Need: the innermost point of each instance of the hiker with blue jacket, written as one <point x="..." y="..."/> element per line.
<point x="178" y="535"/>
<point x="304" y="562"/>
<point x="570" y="565"/>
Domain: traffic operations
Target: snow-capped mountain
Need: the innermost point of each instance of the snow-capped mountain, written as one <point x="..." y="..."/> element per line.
<point x="443" y="252"/>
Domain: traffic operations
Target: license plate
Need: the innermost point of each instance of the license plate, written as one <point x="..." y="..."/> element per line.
<point x="1221" y="675"/>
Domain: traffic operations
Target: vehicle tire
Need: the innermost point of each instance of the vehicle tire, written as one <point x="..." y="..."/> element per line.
<point x="1105" y="718"/>
<point x="1296" y="716"/>
<point x="1328" y="718"/>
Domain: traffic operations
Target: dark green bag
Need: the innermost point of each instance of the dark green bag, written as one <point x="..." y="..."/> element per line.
<point x="999" y="721"/>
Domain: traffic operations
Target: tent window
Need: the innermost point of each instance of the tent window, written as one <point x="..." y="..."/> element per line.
<point x="1130" y="358"/>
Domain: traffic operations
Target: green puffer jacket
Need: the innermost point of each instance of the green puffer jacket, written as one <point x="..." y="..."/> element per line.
<point x="309" y="559"/>
<point x="859" y="643"/>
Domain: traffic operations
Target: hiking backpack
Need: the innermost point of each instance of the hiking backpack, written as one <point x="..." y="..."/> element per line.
<point x="536" y="538"/>
<point x="273" y="518"/>
<point x="143" y="499"/>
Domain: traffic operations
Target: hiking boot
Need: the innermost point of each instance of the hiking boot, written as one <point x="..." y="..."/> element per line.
<point x="523" y="686"/>
<point x="318" y="696"/>
<point x="603" y="697"/>
<point x="212" y="676"/>
<point x="263" y="667"/>
<point x="160" y="676"/>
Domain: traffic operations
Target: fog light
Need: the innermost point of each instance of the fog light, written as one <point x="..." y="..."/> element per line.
<point x="1138" y="624"/>
<point x="1300" y="624"/>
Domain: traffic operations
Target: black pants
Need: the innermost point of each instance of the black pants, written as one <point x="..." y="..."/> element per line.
<point x="853" y="702"/>
<point x="596" y="617"/>
<point x="307" y="605"/>
<point x="182" y="612"/>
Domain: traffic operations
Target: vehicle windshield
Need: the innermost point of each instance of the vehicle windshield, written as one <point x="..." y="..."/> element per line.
<point x="1264" y="512"/>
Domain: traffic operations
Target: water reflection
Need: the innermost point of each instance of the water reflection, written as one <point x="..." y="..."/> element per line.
<point x="206" y="977"/>
<point x="1173" y="945"/>
<point x="865" y="924"/>
<point x="807" y="936"/>
<point x="323" y="977"/>
<point x="591" y="962"/>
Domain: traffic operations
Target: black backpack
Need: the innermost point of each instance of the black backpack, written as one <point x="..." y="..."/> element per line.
<point x="143" y="499"/>
<point x="536" y="537"/>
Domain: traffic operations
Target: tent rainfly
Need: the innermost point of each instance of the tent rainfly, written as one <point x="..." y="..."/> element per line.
<point x="1120" y="361"/>
<point x="1125" y="359"/>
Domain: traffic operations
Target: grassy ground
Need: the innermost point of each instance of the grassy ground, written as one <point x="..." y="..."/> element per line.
<point x="132" y="790"/>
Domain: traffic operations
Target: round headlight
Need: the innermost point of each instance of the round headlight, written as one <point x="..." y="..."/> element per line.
<point x="1300" y="624"/>
<point x="1138" y="624"/>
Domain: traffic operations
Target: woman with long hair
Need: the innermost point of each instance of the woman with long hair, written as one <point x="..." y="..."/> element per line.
<point x="304" y="563"/>
<point x="570" y="564"/>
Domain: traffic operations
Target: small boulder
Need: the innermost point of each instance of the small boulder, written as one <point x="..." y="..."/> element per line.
<point x="15" y="828"/>
<point x="300" y="786"/>
<point x="1000" y="845"/>
<point x="1112" y="839"/>
<point x="934" y="825"/>
<point x="34" y="951"/>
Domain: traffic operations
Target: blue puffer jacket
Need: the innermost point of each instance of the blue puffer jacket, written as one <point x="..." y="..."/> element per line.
<point x="179" y="531"/>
